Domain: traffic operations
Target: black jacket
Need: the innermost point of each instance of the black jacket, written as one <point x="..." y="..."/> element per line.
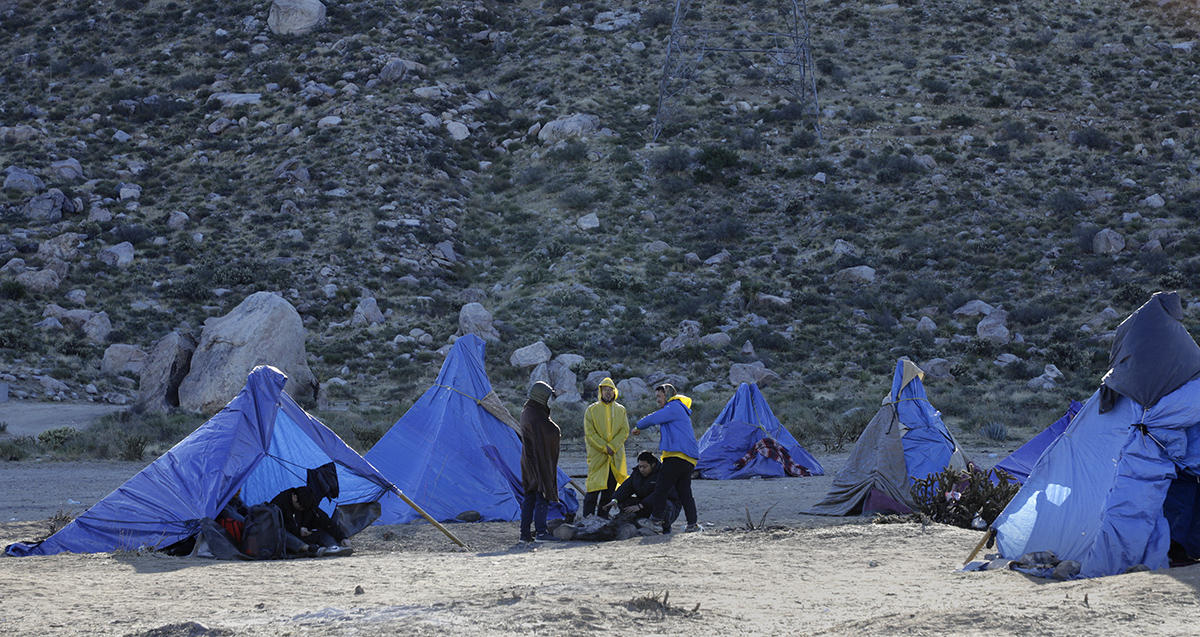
<point x="636" y="488"/>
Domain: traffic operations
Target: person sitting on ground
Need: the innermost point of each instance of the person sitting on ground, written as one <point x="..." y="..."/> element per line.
<point x="309" y="530"/>
<point x="633" y="493"/>
<point x="677" y="441"/>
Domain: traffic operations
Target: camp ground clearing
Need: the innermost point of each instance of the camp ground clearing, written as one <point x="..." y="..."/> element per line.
<point x="800" y="575"/>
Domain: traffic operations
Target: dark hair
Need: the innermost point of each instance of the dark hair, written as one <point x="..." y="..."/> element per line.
<point x="667" y="389"/>
<point x="648" y="457"/>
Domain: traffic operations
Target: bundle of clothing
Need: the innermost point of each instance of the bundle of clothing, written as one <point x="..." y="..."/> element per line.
<point x="769" y="448"/>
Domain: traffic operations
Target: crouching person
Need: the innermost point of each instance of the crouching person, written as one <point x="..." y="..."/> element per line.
<point x="634" y="493"/>
<point x="309" y="530"/>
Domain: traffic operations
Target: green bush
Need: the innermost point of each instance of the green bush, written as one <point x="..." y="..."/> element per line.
<point x="56" y="438"/>
<point x="957" y="497"/>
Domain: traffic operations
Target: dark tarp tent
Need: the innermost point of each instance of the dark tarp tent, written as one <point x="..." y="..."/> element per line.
<point x="261" y="443"/>
<point x="905" y="441"/>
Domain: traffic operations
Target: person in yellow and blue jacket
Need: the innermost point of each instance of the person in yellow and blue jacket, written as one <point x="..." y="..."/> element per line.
<point x="680" y="453"/>
<point x="605" y="428"/>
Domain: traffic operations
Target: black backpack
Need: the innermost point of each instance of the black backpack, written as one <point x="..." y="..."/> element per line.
<point x="263" y="537"/>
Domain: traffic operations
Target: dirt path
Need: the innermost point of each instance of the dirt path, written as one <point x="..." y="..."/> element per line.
<point x="26" y="418"/>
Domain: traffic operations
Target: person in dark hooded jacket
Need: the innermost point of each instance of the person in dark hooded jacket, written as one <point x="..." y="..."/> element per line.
<point x="540" y="438"/>
<point x="634" y="493"/>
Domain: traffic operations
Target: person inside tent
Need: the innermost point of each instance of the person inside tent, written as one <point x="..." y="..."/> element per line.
<point x="605" y="428"/>
<point x="677" y="441"/>
<point x="309" y="530"/>
<point x="540" y="438"/>
<point x="634" y="492"/>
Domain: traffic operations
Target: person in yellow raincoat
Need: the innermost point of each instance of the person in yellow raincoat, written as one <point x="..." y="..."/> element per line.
<point x="605" y="428"/>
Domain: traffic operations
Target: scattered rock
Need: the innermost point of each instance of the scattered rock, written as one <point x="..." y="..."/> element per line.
<point x="1154" y="201"/>
<point x="295" y="17"/>
<point x="230" y="100"/>
<point x="926" y="325"/>
<point x="177" y="220"/>
<point x="716" y="340"/>
<point x="843" y="247"/>
<point x="45" y="280"/>
<point x="937" y="369"/>
<point x="121" y="358"/>
<point x="856" y="274"/>
<point x="65" y="246"/>
<point x="473" y="318"/>
<point x="263" y="330"/>
<point x="632" y="390"/>
<point x="530" y="355"/>
<point x="973" y="308"/>
<point x="1108" y="241"/>
<point x="458" y="131"/>
<point x="163" y="371"/>
<point x="577" y="125"/>
<point x="22" y="180"/>
<point x="367" y="312"/>
<point x="689" y="334"/>
<point x="588" y="222"/>
<point x="291" y="170"/>
<point x="992" y="328"/>
<point x="98" y="327"/>
<point x="753" y="373"/>
<point x="47" y="207"/>
<point x="119" y="256"/>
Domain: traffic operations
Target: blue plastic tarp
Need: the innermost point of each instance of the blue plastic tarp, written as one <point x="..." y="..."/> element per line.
<point x="443" y="452"/>
<point x="927" y="443"/>
<point x="746" y="419"/>
<point x="1097" y="494"/>
<point x="1020" y="462"/>
<point x="262" y="442"/>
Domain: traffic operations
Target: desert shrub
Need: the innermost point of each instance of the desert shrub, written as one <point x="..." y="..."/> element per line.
<point x="577" y="197"/>
<point x="56" y="438"/>
<point x="958" y="120"/>
<point x="957" y="497"/>
<point x="12" y="290"/>
<point x="1092" y="138"/>
<point x="366" y="435"/>
<point x="997" y="431"/>
<point x="1015" y="131"/>
<point x="132" y="447"/>
<point x="862" y="115"/>
<point x="570" y="150"/>
<point x="134" y="233"/>
<point x="1083" y="235"/>
<point x="1030" y="313"/>
<point x="1065" y="201"/>
<point x="18" y="448"/>
<point x="935" y="85"/>
<point x="671" y="160"/>
<point x="656" y="17"/>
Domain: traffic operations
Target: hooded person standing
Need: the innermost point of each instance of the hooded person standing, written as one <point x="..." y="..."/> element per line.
<point x="539" y="461"/>
<point x="680" y="453"/>
<point x="605" y="428"/>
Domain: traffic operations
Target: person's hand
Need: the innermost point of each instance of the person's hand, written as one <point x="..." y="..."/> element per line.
<point x="631" y="508"/>
<point x="304" y="532"/>
<point x="635" y="431"/>
<point x="609" y="451"/>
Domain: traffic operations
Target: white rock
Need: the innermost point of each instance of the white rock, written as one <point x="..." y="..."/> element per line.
<point x="367" y="312"/>
<point x="295" y="17"/>
<point x="1154" y="201"/>
<point x="973" y="308"/>
<point x="576" y="125"/>
<point x="458" y="131"/>
<point x="753" y="373"/>
<point x="633" y="390"/>
<point x="473" y="318"/>
<point x="993" y="329"/>
<point x="122" y="358"/>
<point x="329" y="121"/>
<point x="841" y="246"/>
<point x="588" y="222"/>
<point x="926" y="325"/>
<point x="229" y="100"/>
<point x="856" y="274"/>
<point x="120" y="255"/>
<point x="530" y="355"/>
<point x="716" y="340"/>
<point x="1108" y="241"/>
<point x="177" y="220"/>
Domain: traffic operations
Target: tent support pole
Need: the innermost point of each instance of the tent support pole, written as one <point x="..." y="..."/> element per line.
<point x="435" y="523"/>
<point x="991" y="533"/>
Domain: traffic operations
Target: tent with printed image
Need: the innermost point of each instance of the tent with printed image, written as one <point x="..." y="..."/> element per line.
<point x="746" y="440"/>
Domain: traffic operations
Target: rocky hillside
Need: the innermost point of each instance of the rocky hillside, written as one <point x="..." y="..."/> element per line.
<point x="994" y="186"/>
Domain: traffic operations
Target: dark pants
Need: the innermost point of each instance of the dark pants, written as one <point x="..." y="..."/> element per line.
<point x="675" y="472"/>
<point x="604" y="496"/>
<point x="533" y="512"/>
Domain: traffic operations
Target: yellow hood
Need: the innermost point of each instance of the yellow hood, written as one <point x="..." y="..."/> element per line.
<point x="687" y="402"/>
<point x="607" y="382"/>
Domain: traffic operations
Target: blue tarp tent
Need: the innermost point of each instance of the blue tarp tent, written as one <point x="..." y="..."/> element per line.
<point x="1119" y="486"/>
<point x="746" y="419"/>
<point x="905" y="441"/>
<point x="261" y="443"/>
<point x="457" y="449"/>
<point x="1020" y="462"/>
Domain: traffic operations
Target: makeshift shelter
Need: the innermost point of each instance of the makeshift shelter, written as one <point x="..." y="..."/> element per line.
<point x="732" y="447"/>
<point x="1019" y="463"/>
<point x="260" y="444"/>
<point x="1121" y="485"/>
<point x="456" y="451"/>
<point x="905" y="441"/>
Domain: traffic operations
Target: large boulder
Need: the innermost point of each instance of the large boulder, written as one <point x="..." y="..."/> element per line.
<point x="163" y="371"/>
<point x="46" y="280"/>
<point x="367" y="312"/>
<point x="858" y="274"/>
<point x="121" y="358"/>
<point x="689" y="334"/>
<point x="992" y="328"/>
<point x="473" y="318"/>
<point x="577" y="125"/>
<point x="754" y="373"/>
<point x="98" y="327"/>
<point x="1108" y="241"/>
<point x="22" y="180"/>
<point x="263" y="330"/>
<point x="65" y="246"/>
<point x="633" y="391"/>
<point x="118" y="256"/>
<point x="295" y="17"/>
<point x="530" y="355"/>
<point x="47" y="207"/>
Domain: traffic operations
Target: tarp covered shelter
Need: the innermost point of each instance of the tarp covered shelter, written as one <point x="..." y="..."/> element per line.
<point x="261" y="443"/>
<point x="1019" y="463"/>
<point x="905" y="441"/>
<point x="746" y="419"/>
<point x="457" y="450"/>
<point x="1121" y="485"/>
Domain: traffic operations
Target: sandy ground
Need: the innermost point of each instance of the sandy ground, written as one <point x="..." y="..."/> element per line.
<point x="800" y="575"/>
<point x="27" y="418"/>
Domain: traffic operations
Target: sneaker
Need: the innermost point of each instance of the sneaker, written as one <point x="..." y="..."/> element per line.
<point x="693" y="528"/>
<point x="546" y="537"/>
<point x="338" y="550"/>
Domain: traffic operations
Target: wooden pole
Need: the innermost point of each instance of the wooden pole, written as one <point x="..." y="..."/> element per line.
<point x="986" y="536"/>
<point x="432" y="521"/>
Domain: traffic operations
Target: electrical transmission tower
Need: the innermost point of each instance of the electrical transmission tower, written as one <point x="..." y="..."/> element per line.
<point x="778" y="56"/>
